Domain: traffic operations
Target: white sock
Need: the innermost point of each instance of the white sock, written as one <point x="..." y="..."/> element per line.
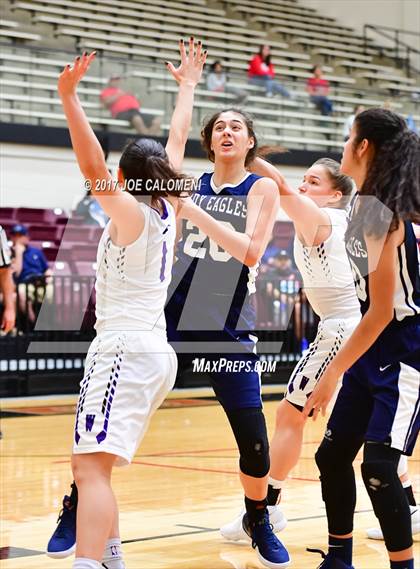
<point x="113" y="557"/>
<point x="85" y="563"/>
<point x="276" y="484"/>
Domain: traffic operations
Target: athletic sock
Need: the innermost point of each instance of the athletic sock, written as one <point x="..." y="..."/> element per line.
<point x="274" y="491"/>
<point x="113" y="557"/>
<point x="341" y="548"/>
<point x="256" y="510"/>
<point x="409" y="493"/>
<point x="85" y="563"/>
<point x="409" y="564"/>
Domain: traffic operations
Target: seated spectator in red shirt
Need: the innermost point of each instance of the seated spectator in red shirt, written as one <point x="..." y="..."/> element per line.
<point x="125" y="106"/>
<point x="261" y="72"/>
<point x="318" y="89"/>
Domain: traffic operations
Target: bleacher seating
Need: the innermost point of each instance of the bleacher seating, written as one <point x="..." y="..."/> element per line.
<point x="142" y="34"/>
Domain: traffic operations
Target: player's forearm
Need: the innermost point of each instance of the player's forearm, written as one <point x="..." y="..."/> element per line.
<point x="89" y="153"/>
<point x="364" y="336"/>
<point x="7" y="287"/>
<point x="263" y="168"/>
<point x="182" y="115"/>
<point x="239" y="245"/>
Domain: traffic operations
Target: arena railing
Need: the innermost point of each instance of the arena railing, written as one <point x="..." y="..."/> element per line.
<point x="48" y="355"/>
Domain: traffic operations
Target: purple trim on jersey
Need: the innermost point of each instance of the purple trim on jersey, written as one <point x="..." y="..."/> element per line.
<point x="163" y="265"/>
<point x="110" y="393"/>
<point x="165" y="213"/>
<point x="82" y="397"/>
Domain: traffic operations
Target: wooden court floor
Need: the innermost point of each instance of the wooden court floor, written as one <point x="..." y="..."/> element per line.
<point x="181" y="487"/>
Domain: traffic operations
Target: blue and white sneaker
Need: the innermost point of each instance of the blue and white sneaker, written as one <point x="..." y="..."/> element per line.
<point x="271" y="552"/>
<point x="63" y="540"/>
<point x="330" y="562"/>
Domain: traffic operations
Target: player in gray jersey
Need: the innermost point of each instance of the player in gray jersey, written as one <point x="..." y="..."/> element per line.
<point x="378" y="406"/>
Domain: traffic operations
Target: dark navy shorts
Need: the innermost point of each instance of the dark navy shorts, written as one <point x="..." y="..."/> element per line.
<point x="380" y="396"/>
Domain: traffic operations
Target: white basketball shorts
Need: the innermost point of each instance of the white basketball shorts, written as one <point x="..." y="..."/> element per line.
<point x="127" y="376"/>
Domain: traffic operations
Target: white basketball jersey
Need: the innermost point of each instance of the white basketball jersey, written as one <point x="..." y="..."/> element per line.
<point x="326" y="272"/>
<point x="132" y="281"/>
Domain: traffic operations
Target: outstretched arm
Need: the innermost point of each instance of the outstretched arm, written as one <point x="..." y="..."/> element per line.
<point x="118" y="205"/>
<point x="383" y="265"/>
<point x="248" y="247"/>
<point x="187" y="75"/>
<point x="312" y="224"/>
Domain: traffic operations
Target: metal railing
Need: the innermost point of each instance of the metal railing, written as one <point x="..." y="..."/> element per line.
<point x="56" y="343"/>
<point x="400" y="50"/>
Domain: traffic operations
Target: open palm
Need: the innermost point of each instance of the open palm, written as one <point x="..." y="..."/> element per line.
<point x="71" y="75"/>
<point x="191" y="66"/>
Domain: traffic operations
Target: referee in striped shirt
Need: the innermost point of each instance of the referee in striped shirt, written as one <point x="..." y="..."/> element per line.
<point x="7" y="287"/>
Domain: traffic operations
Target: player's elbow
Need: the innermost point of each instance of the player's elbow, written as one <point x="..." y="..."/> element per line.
<point x="253" y="256"/>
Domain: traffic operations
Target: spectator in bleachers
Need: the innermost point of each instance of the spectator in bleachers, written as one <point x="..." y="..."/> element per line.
<point x="318" y="89"/>
<point x="125" y="106"/>
<point x="217" y="82"/>
<point x="350" y="120"/>
<point x="31" y="272"/>
<point x="261" y="72"/>
<point x="281" y="265"/>
<point x="7" y="288"/>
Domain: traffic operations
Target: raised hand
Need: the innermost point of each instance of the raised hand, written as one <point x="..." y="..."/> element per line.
<point x="191" y="66"/>
<point x="70" y="76"/>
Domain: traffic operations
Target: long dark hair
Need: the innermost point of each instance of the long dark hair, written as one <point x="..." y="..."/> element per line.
<point x="340" y="182"/>
<point x="146" y="159"/>
<point x="267" y="58"/>
<point x="207" y="131"/>
<point x="393" y="173"/>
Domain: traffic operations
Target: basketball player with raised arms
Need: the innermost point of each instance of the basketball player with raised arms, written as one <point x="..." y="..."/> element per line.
<point x="378" y="405"/>
<point x="210" y="308"/>
<point x="319" y="214"/>
<point x="130" y="367"/>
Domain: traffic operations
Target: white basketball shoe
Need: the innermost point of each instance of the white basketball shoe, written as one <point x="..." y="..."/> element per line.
<point x="376" y="533"/>
<point x="235" y="531"/>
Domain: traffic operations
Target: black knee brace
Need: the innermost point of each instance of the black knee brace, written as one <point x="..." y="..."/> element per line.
<point x="334" y="458"/>
<point x="389" y="501"/>
<point x="248" y="426"/>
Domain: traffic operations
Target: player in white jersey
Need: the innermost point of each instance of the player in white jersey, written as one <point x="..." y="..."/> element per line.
<point x="130" y="367"/>
<point x="318" y="211"/>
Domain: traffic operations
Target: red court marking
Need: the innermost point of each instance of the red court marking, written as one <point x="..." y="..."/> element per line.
<point x="174" y="452"/>
<point x="303" y="479"/>
<point x="235" y="472"/>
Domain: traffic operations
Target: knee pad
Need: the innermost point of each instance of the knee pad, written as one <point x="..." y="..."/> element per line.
<point x="334" y="459"/>
<point x="390" y="504"/>
<point x="336" y="452"/>
<point x="248" y="426"/>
